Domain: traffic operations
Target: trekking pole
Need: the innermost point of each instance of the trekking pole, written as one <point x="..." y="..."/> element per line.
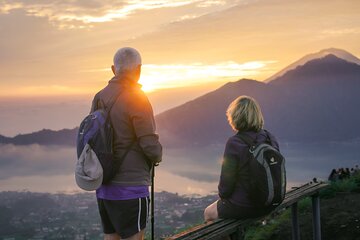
<point x="152" y="202"/>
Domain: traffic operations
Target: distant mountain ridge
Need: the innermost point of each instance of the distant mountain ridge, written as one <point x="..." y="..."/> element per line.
<point x="342" y="54"/>
<point x="65" y="137"/>
<point x="316" y="101"/>
<point x="313" y="102"/>
<point x="329" y="69"/>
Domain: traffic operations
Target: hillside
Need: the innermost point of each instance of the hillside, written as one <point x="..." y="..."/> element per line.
<point x="340" y="220"/>
<point x="340" y="216"/>
<point x="202" y="121"/>
<point x="65" y="137"/>
<point x="310" y="103"/>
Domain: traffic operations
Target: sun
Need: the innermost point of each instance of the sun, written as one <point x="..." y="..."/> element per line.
<point x="147" y="86"/>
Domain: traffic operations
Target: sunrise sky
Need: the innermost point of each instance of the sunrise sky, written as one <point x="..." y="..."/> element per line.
<point x="56" y="54"/>
<point x="66" y="47"/>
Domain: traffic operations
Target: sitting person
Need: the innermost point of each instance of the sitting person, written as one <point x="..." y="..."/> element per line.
<point x="245" y="117"/>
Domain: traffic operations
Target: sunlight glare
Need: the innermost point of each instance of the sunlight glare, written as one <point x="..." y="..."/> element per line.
<point x="171" y="76"/>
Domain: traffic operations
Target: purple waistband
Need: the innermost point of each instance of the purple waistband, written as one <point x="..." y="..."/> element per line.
<point x="116" y="192"/>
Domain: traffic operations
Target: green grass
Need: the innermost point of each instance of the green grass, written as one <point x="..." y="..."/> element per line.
<point x="257" y="231"/>
<point x="349" y="185"/>
<point x="260" y="232"/>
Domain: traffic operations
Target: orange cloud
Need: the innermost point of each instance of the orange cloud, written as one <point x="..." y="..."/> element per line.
<point x="81" y="14"/>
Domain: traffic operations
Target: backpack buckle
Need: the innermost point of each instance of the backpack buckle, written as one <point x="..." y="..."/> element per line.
<point x="252" y="149"/>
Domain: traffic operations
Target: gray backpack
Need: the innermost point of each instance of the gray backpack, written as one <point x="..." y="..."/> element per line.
<point x="267" y="182"/>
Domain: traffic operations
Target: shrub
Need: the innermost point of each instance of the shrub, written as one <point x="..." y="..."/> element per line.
<point x="349" y="185"/>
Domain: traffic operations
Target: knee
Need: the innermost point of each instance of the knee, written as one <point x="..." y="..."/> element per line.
<point x="136" y="236"/>
<point x="206" y="215"/>
<point x="210" y="213"/>
<point x="113" y="236"/>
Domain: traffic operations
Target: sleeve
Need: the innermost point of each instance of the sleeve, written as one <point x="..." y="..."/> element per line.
<point x="274" y="142"/>
<point x="232" y="162"/>
<point x="94" y="103"/>
<point x="143" y="121"/>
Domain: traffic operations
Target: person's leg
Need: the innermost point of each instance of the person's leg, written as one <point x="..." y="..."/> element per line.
<point x="128" y="217"/>
<point x="125" y="218"/>
<point x="211" y="212"/>
<point x="137" y="236"/>
<point x="113" y="236"/>
<point x="108" y="229"/>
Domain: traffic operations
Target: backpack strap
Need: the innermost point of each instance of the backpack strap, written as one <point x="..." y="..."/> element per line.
<point x="246" y="139"/>
<point x="112" y="103"/>
<point x="100" y="103"/>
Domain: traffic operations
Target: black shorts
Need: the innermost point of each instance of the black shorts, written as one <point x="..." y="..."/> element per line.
<point x="228" y="210"/>
<point x="124" y="217"/>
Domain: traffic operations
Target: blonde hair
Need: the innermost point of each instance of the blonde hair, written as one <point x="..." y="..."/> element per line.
<point x="244" y="114"/>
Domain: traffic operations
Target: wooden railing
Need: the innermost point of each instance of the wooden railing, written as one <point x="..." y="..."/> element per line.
<point x="234" y="229"/>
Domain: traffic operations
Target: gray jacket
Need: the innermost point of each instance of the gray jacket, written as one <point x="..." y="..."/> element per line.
<point x="134" y="125"/>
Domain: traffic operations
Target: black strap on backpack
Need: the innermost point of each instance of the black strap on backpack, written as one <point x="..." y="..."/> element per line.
<point x="247" y="139"/>
<point x="253" y="142"/>
<point x="100" y="104"/>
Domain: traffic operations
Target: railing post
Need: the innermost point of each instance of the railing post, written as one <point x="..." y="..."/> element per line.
<point x="295" y="222"/>
<point x="316" y="217"/>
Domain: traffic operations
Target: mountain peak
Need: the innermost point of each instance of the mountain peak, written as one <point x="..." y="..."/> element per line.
<point x="329" y="58"/>
<point x="242" y="80"/>
<point x="329" y="69"/>
<point x="339" y="53"/>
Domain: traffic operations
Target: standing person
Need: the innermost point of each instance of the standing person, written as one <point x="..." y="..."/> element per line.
<point x="356" y="170"/>
<point x="347" y="172"/>
<point x="333" y="176"/>
<point x="341" y="173"/>
<point x="245" y="117"/>
<point x="123" y="204"/>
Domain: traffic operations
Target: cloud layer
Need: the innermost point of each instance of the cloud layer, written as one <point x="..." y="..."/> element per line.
<point x="83" y="13"/>
<point x="47" y="45"/>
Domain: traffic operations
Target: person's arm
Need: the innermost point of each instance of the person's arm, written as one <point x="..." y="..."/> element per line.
<point x="229" y="169"/>
<point x="94" y="103"/>
<point x="142" y="118"/>
<point x="273" y="140"/>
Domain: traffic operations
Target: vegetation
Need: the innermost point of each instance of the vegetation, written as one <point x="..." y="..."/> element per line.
<point x="340" y="215"/>
<point x="349" y="185"/>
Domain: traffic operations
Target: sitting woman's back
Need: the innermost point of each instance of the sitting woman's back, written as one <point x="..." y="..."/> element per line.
<point x="245" y="117"/>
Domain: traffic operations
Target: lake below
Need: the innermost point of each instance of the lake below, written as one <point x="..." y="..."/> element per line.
<point x="185" y="171"/>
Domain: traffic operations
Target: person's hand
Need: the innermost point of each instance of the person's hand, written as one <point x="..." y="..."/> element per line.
<point x="157" y="162"/>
